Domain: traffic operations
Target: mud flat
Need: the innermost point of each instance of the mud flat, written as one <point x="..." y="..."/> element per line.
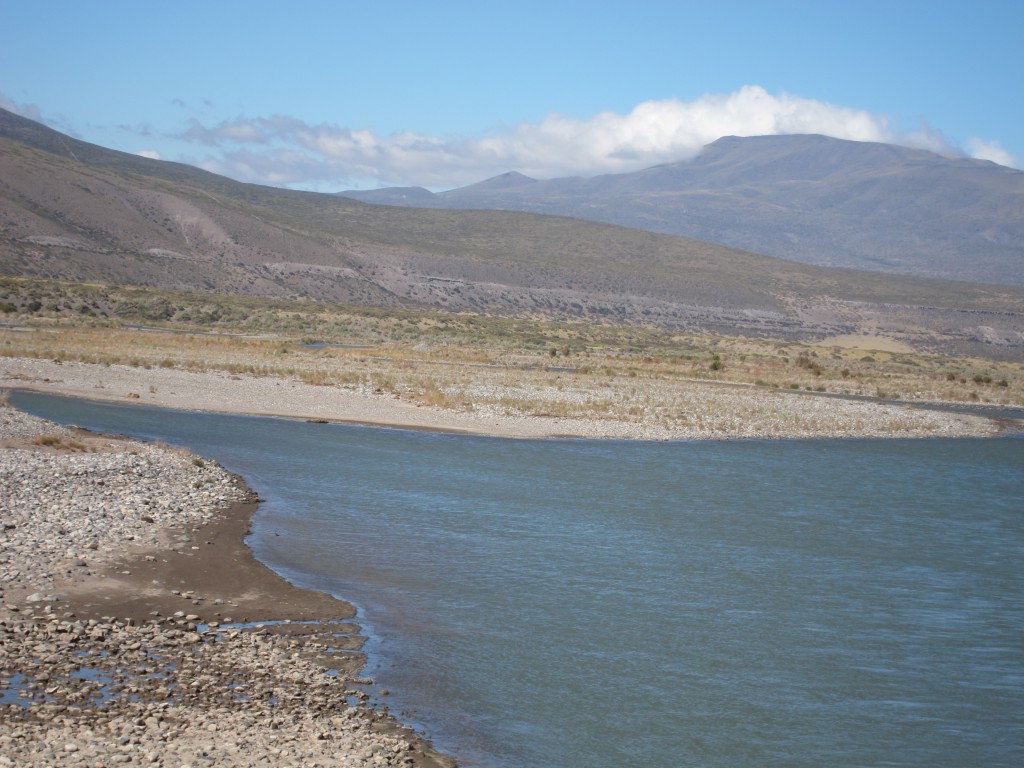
<point x="137" y="628"/>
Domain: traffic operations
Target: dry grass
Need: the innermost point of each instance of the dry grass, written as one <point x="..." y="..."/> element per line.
<point x="644" y="381"/>
<point x="511" y="366"/>
<point x="60" y="443"/>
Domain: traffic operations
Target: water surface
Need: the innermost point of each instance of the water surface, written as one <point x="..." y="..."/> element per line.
<point x="553" y="603"/>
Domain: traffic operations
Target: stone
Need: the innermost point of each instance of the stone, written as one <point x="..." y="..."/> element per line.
<point x="261" y="700"/>
<point x="39" y="597"/>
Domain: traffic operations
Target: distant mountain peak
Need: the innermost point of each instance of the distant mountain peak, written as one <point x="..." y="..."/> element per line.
<point x="401" y="196"/>
<point x="503" y="181"/>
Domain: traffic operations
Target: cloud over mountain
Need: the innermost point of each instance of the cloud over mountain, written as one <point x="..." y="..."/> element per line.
<point x="990" y="150"/>
<point x="294" y="152"/>
<point x="284" y="150"/>
<point x="31" y="111"/>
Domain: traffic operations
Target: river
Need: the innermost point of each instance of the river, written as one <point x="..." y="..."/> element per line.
<point x="547" y="603"/>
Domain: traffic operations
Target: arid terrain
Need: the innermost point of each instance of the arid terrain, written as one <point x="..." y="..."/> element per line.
<point x="79" y="212"/>
<point x="128" y="602"/>
<point x="486" y="375"/>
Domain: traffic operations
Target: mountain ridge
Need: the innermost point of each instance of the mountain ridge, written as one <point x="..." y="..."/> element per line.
<point x="808" y="198"/>
<point x="75" y="211"/>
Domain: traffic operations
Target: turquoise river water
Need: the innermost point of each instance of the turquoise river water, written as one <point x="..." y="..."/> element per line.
<point x="551" y="603"/>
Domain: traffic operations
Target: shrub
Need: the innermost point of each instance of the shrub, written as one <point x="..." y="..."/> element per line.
<point x="804" y="361"/>
<point x="434" y="396"/>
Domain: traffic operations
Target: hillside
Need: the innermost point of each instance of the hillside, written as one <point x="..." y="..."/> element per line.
<point x="812" y="199"/>
<point x="72" y="210"/>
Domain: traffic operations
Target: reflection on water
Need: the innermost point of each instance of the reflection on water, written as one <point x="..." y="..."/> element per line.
<point x="547" y="603"/>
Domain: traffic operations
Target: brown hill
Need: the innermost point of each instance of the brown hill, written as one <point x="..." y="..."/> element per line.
<point x="76" y="211"/>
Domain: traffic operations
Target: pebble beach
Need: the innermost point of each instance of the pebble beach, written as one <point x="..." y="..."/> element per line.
<point x="137" y="629"/>
<point x="701" y="410"/>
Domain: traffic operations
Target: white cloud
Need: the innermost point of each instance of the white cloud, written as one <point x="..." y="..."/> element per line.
<point x="31" y="111"/>
<point x="152" y="154"/>
<point x="990" y="150"/>
<point x="240" y="131"/>
<point x="284" y="150"/>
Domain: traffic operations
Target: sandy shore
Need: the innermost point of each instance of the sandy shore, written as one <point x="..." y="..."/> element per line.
<point x="714" y="411"/>
<point x="136" y="627"/>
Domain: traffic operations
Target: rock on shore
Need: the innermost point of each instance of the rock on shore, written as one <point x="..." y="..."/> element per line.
<point x="172" y="689"/>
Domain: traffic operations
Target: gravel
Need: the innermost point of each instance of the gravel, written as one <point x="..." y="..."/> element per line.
<point x="65" y="512"/>
<point x="171" y="691"/>
<point x="655" y="410"/>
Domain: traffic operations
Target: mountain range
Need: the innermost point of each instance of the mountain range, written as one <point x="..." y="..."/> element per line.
<point x="812" y="199"/>
<point x="75" y="211"/>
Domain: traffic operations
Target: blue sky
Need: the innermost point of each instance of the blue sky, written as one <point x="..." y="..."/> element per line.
<point x="338" y="95"/>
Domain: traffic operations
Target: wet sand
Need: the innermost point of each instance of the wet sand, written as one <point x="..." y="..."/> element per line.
<point x="207" y="570"/>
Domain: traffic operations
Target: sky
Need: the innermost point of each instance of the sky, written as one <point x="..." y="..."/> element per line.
<point x="328" y="96"/>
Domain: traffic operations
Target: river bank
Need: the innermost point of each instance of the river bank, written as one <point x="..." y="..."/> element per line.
<point x="699" y="410"/>
<point x="808" y="505"/>
<point x="136" y="627"/>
